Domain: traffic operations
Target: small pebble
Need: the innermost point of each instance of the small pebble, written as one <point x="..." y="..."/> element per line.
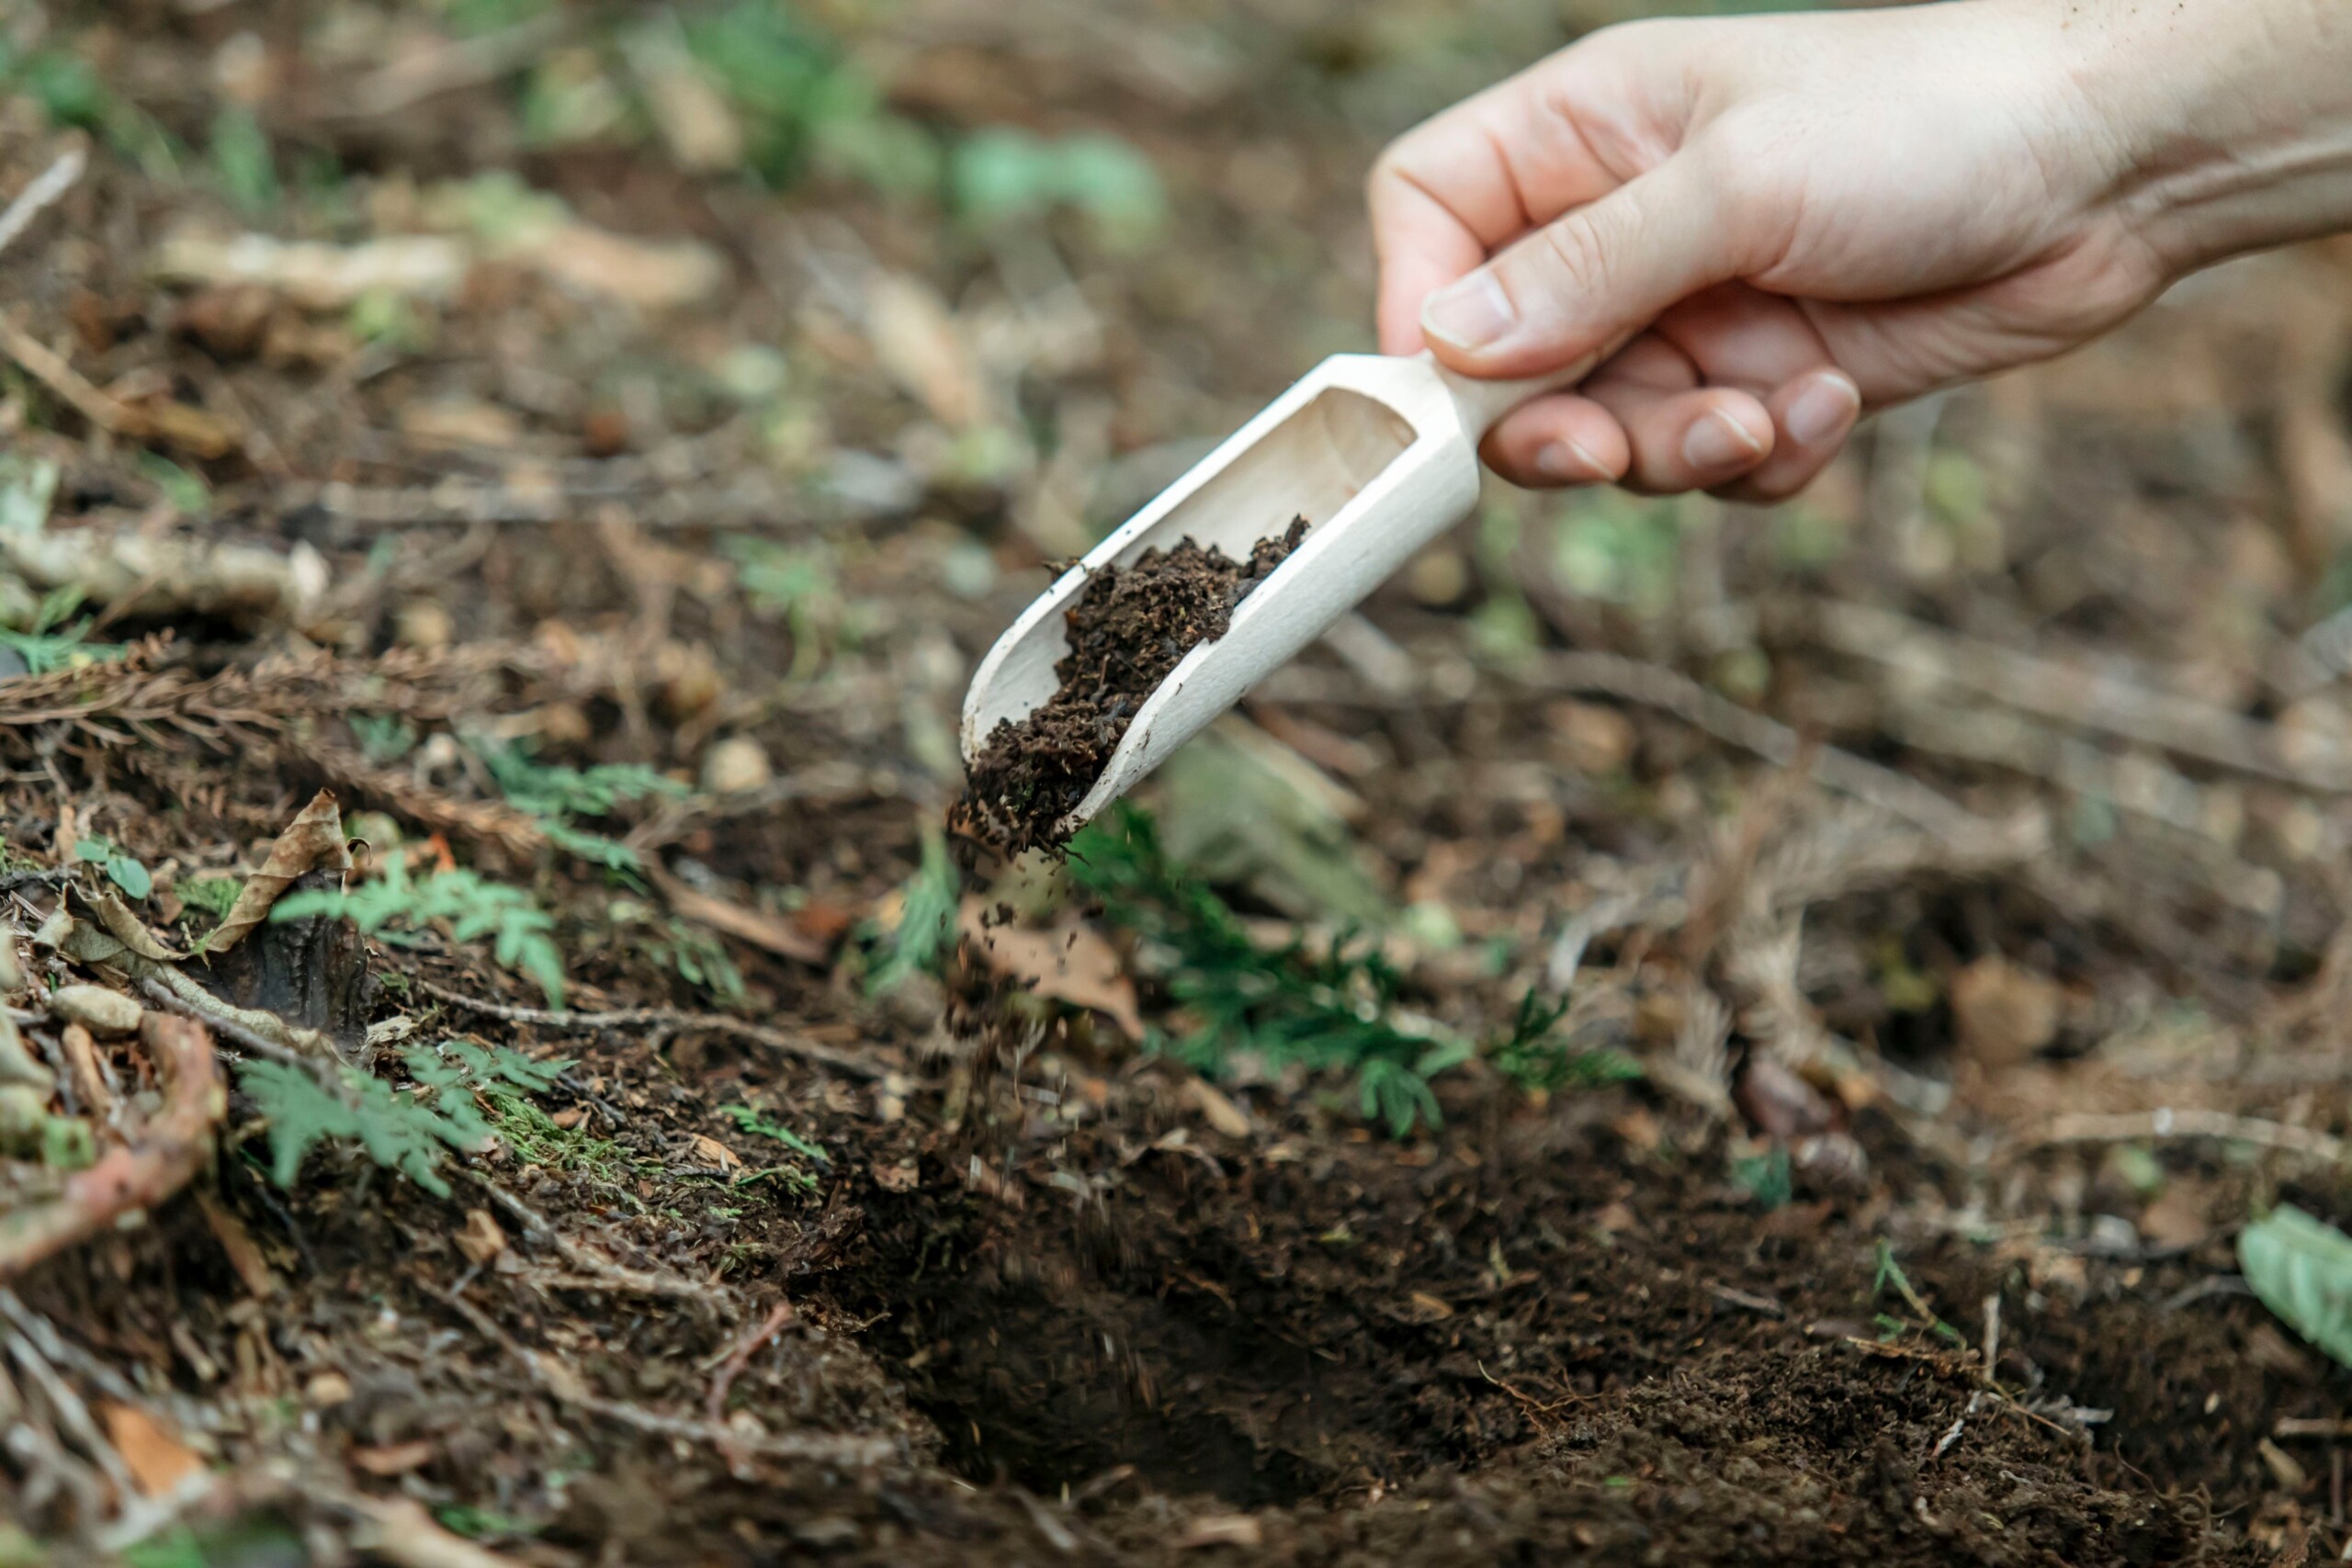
<point x="736" y="765"/>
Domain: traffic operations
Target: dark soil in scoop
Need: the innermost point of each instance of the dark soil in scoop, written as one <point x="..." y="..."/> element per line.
<point x="1130" y="627"/>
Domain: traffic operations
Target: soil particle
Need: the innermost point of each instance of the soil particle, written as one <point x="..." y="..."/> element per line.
<point x="1130" y="626"/>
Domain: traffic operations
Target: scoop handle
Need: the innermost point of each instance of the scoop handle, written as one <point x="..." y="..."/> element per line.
<point x="1483" y="403"/>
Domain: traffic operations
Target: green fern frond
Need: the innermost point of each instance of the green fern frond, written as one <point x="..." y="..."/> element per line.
<point x="409" y="1131"/>
<point x="471" y="905"/>
<point x="1329" y="1009"/>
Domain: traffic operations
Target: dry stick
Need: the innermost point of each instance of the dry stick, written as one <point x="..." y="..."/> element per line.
<point x="38" y="196"/>
<point x="2083" y="698"/>
<point x="600" y="1271"/>
<point x="564" y="1386"/>
<point x="2169" y="1124"/>
<point x="664" y="1018"/>
<point x="1655" y="686"/>
<point x="173" y="1147"/>
<point x="44" y="365"/>
<point x="715" y="1407"/>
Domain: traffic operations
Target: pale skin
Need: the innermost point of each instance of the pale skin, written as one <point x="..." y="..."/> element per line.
<point x="1793" y="221"/>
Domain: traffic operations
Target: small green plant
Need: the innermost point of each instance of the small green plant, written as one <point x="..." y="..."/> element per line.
<point x="700" y="958"/>
<point x="383" y="736"/>
<point x="1331" y="1008"/>
<point x="804" y="106"/>
<point x="212" y="896"/>
<point x="472" y="905"/>
<point x="2301" y="1270"/>
<point x="751" y="1118"/>
<point x="1003" y="175"/>
<point x="798" y="585"/>
<point x="1890" y="1276"/>
<point x="1765" y="1177"/>
<point x="1532" y="1054"/>
<point x="409" y="1132"/>
<point x="49" y="644"/>
<point x="186" y="491"/>
<point x="925" y="932"/>
<point x="242" y="160"/>
<point x="558" y="795"/>
<point x="124" y="870"/>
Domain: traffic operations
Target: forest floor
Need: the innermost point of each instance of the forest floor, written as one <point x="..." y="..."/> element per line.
<point x="1677" y="1034"/>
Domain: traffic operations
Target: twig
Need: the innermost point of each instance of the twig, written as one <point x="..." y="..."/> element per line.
<point x="172" y="1147"/>
<point x="600" y="1269"/>
<point x="45" y="365"/>
<point x="715" y="1407"/>
<point x="2311" y="1426"/>
<point x="660" y="1018"/>
<point x="564" y="1386"/>
<point x="1655" y="686"/>
<point x="2084" y="698"/>
<point x="36" y="197"/>
<point x="2170" y="1124"/>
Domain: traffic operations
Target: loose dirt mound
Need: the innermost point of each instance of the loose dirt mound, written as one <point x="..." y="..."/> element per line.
<point x="1130" y="626"/>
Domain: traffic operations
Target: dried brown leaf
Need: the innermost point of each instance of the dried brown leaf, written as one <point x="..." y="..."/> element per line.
<point x="1069" y="963"/>
<point x="315" y="839"/>
<point x="158" y="1461"/>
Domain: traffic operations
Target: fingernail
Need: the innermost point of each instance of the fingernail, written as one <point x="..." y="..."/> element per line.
<point x="1565" y="462"/>
<point x="1719" y="442"/>
<point x="1824" y="411"/>
<point x="1471" y="314"/>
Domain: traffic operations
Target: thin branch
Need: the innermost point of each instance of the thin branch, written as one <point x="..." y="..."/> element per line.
<point x="43" y="193"/>
<point x="564" y="1386"/>
<point x="1655" y="686"/>
<point x="173" y="1147"/>
<point x="660" y="1018"/>
<point x="2169" y="1124"/>
<point x="597" y="1268"/>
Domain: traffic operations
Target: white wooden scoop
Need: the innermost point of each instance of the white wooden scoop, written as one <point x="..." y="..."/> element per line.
<point x="1379" y="455"/>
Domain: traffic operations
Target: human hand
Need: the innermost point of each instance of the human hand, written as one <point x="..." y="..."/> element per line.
<point x="1806" y="217"/>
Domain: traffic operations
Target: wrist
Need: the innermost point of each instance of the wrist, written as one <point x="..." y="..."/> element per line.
<point x="2225" y="126"/>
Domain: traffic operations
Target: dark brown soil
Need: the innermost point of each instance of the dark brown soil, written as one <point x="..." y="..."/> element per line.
<point x="1130" y="626"/>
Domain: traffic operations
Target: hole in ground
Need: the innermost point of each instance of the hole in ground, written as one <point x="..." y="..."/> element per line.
<point x="1037" y="1368"/>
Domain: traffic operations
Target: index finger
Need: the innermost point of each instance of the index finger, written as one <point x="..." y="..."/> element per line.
<point x="1461" y="185"/>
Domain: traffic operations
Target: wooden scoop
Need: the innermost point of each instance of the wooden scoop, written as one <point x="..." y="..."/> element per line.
<point x="1379" y="455"/>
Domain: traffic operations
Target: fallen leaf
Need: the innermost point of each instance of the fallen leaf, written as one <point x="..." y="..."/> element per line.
<point x="158" y="1461"/>
<point x="481" y="1239"/>
<point x="1071" y="963"/>
<point x="326" y="1390"/>
<point x="2004" y="1013"/>
<point x="237" y="1243"/>
<point x="918" y="340"/>
<point x="1217" y="1109"/>
<point x="652" y="274"/>
<point x="443" y="422"/>
<point x="712" y="1152"/>
<point x="902" y="1176"/>
<point x="393" y="1458"/>
<point x="760" y="930"/>
<point x="313" y="840"/>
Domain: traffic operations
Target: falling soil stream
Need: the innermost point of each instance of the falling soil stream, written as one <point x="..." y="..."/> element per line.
<point x="1130" y="626"/>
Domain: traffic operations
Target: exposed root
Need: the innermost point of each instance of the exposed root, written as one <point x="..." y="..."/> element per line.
<point x="172" y="1147"/>
<point x="564" y="1386"/>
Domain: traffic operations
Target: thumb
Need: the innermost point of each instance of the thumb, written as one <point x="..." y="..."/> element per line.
<point x="1587" y="279"/>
